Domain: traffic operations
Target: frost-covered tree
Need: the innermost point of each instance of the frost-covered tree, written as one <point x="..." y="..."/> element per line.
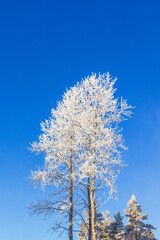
<point x="85" y="233"/>
<point x="82" y="142"/>
<point x="148" y="232"/>
<point x="104" y="226"/>
<point x="84" y="228"/>
<point x="101" y="137"/>
<point x="59" y="144"/>
<point x="83" y="193"/>
<point x="116" y="228"/>
<point x="135" y="225"/>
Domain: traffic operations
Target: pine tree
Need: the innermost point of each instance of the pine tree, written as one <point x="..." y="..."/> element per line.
<point x="148" y="233"/>
<point x="116" y="227"/>
<point x="104" y="226"/>
<point x="84" y="227"/>
<point x="135" y="225"/>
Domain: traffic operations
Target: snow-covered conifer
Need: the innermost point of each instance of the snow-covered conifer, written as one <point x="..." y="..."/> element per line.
<point x="84" y="227"/>
<point x="116" y="227"/>
<point x="148" y="232"/>
<point x="104" y="226"/>
<point x="135" y="225"/>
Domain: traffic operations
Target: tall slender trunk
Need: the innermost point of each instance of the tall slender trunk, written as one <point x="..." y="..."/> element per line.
<point x="71" y="206"/>
<point x="93" y="208"/>
<point x="93" y="198"/>
<point x="71" y="210"/>
<point x="89" y="210"/>
<point x="71" y="194"/>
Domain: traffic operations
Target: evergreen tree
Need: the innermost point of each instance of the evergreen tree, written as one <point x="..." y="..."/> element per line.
<point x="135" y="226"/>
<point x="84" y="227"/>
<point x="104" y="226"/>
<point x="148" y="234"/>
<point x="116" y="227"/>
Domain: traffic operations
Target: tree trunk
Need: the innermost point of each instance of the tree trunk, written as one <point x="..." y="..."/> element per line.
<point x="71" y="194"/>
<point x="93" y="199"/>
<point x="89" y="212"/>
<point x="136" y="235"/>
<point x="71" y="205"/>
<point x="93" y="209"/>
<point x="93" y="190"/>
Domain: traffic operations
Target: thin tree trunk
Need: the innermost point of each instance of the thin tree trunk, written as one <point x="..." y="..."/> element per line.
<point x="89" y="211"/>
<point x="93" y="190"/>
<point x="71" y="194"/>
<point x="93" y="208"/>
<point x="93" y="199"/>
<point x="71" y="208"/>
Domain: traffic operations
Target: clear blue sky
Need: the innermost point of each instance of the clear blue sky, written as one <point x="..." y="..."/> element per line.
<point x="46" y="46"/>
